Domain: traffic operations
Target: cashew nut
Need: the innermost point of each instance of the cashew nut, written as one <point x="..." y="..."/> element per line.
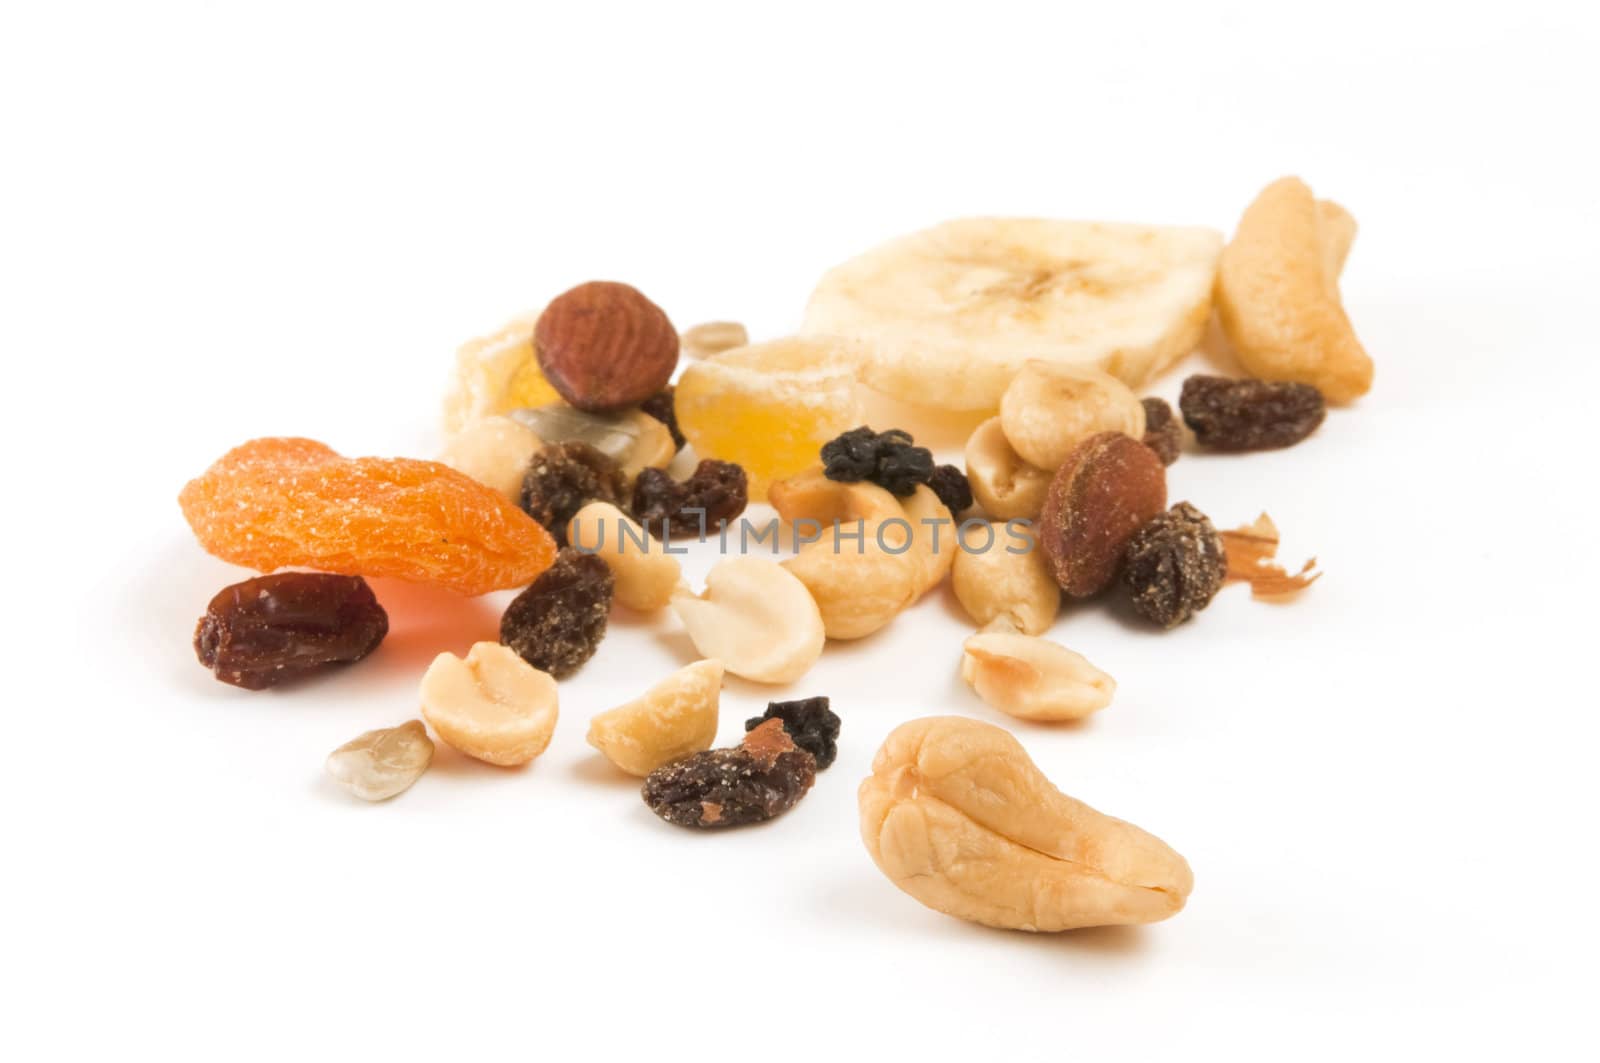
<point x="672" y="719"/>
<point x="957" y="815"/>
<point x="811" y="496"/>
<point x="756" y="618"/>
<point x="1000" y="572"/>
<point x="1049" y="408"/>
<point x="860" y="574"/>
<point x="1033" y="678"/>
<point x="646" y="576"/>
<point x="1007" y="487"/>
<point x="492" y="705"/>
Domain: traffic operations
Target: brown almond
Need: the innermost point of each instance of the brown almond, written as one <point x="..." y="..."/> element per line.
<point x="1108" y="487"/>
<point x="604" y="346"/>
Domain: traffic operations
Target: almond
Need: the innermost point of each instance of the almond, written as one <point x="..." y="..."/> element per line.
<point x="603" y="346"/>
<point x="1108" y="487"/>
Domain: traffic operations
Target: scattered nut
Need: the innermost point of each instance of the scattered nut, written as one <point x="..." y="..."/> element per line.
<point x="933" y="537"/>
<point x="811" y="496"/>
<point x="674" y="718"/>
<point x="1049" y="408"/>
<point x="1007" y="487"/>
<point x="604" y="346"/>
<point x="1001" y="573"/>
<point x="492" y="705"/>
<point x="1099" y="497"/>
<point x="957" y="815"/>
<point x="493" y="450"/>
<point x="1033" y="678"/>
<point x="756" y="618"/>
<point x="645" y="575"/>
<point x="377" y="765"/>
<point x="861" y="574"/>
<point x="1277" y="293"/>
<point x="713" y="337"/>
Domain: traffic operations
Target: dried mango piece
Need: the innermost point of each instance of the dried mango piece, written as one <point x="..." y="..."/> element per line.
<point x="496" y="374"/>
<point x="273" y="503"/>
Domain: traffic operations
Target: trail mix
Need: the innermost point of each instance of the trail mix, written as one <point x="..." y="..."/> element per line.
<point x="561" y="478"/>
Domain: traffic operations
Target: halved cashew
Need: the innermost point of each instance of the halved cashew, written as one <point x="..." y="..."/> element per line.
<point x="672" y="719"/>
<point x="1007" y="487"/>
<point x="1277" y="292"/>
<point x="956" y="814"/>
<point x="756" y="618"/>
<point x="1049" y="408"/>
<point x="492" y="705"/>
<point x="1000" y="573"/>
<point x="860" y="574"/>
<point x="811" y="496"/>
<point x="646" y="576"/>
<point x="493" y="450"/>
<point x="933" y="537"/>
<point x="1033" y="678"/>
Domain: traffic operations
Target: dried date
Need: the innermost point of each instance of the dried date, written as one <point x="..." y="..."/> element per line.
<point x="1249" y="414"/>
<point x="266" y="630"/>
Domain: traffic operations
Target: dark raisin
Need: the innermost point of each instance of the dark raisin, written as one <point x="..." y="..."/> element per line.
<point x="950" y="484"/>
<point x="662" y="407"/>
<point x="1174" y="565"/>
<point x="716" y="493"/>
<point x="562" y="478"/>
<point x="1249" y="414"/>
<point x="558" y="621"/>
<point x="1162" y="432"/>
<point x="887" y="459"/>
<point x="763" y="777"/>
<point x="263" y="631"/>
<point x="810" y="723"/>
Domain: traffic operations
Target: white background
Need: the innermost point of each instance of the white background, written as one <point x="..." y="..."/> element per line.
<point x="222" y="223"/>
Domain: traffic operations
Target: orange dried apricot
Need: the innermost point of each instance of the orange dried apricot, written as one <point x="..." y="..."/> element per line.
<point x="273" y="503"/>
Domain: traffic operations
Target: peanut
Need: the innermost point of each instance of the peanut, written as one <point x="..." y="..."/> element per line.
<point x="493" y="450"/>
<point x="756" y="618"/>
<point x="1000" y="572"/>
<point x="1007" y="487"/>
<point x="672" y="719"/>
<point x="492" y="705"/>
<point x="933" y="538"/>
<point x="646" y="576"/>
<point x="712" y="337"/>
<point x="1049" y="408"/>
<point x="1032" y="678"/>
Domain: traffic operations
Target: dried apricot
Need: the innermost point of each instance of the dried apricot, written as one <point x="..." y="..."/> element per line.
<point x="274" y="503"/>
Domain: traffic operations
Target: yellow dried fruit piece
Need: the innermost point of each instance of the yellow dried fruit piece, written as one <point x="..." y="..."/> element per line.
<point x="1277" y="293"/>
<point x="496" y="373"/>
<point x="770" y="407"/>
<point x="674" y="718"/>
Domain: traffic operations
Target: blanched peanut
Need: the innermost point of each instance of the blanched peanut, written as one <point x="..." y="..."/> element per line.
<point x="933" y="537"/>
<point x="857" y="579"/>
<point x="713" y="337"/>
<point x="1007" y="487"/>
<point x="756" y="618"/>
<point x="811" y="496"/>
<point x="957" y="815"/>
<point x="1049" y="408"/>
<point x="674" y="718"/>
<point x="1032" y="678"/>
<point x="491" y="705"/>
<point x="1001" y="573"/>
<point x="646" y="576"/>
<point x="493" y="450"/>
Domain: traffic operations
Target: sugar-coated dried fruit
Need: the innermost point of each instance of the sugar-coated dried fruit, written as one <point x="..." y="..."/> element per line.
<point x="1174" y="565"/>
<point x="491" y="705"/>
<point x="811" y="723"/>
<point x="564" y="477"/>
<point x="950" y="484"/>
<point x="1162" y="433"/>
<point x="714" y="494"/>
<point x="1229" y="414"/>
<point x="276" y="503"/>
<point x="558" y="622"/>
<point x="888" y="459"/>
<point x="661" y="406"/>
<point x="763" y="777"/>
<point x="1103" y="492"/>
<point x="495" y="374"/>
<point x="377" y="765"/>
<point x="1252" y="552"/>
<point x="604" y="346"/>
<point x="258" y="633"/>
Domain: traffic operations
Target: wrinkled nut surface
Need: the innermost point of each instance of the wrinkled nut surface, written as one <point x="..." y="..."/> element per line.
<point x="1277" y="293"/>
<point x="1105" y="491"/>
<point x="491" y="705"/>
<point x="377" y="765"/>
<point x="674" y="718"/>
<point x="811" y="496"/>
<point x="645" y="575"/>
<point x="957" y="815"/>
<point x="604" y="346"/>
<point x="1007" y="487"/>
<point x="1033" y="678"/>
<point x="1001" y="573"/>
<point x="756" y="618"/>
<point x="1049" y="408"/>
<point x="861" y="574"/>
<point x="713" y="337"/>
<point x="495" y="451"/>
<point x="933" y="537"/>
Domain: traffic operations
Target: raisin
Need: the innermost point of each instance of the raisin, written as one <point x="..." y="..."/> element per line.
<point x="1174" y="565"/>
<point x="1161" y="431"/>
<point x="663" y="408"/>
<point x="811" y="724"/>
<point x="716" y="493"/>
<point x="887" y="459"/>
<point x="950" y="484"/>
<point x="761" y="778"/>
<point x="258" y="633"/>
<point x="563" y="478"/>
<point x="558" y="622"/>
<point x="1249" y="414"/>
